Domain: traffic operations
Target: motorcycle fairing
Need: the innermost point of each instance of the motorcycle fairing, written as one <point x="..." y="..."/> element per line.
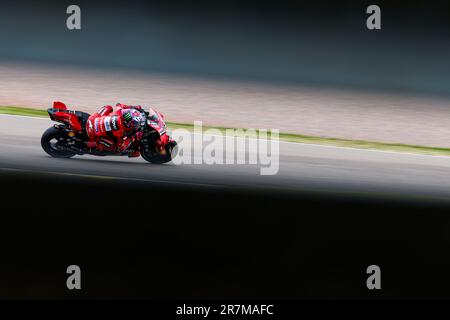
<point x="75" y="119"/>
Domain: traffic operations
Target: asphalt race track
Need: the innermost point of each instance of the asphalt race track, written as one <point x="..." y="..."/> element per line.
<point x="143" y="231"/>
<point x="302" y="167"/>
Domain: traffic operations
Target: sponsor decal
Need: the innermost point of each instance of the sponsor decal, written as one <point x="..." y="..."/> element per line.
<point x="107" y="123"/>
<point x="96" y="125"/>
<point x="106" y="143"/>
<point x="127" y="117"/>
<point x="114" y="123"/>
<point x="90" y="125"/>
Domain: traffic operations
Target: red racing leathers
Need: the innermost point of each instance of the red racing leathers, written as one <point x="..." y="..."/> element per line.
<point x="107" y="129"/>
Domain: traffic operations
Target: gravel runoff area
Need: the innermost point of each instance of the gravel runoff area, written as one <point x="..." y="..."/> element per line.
<point x="361" y="115"/>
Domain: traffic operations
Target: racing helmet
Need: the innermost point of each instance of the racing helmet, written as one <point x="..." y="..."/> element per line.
<point x="133" y="118"/>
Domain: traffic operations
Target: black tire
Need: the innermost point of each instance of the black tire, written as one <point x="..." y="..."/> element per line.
<point x="50" y="134"/>
<point x="158" y="158"/>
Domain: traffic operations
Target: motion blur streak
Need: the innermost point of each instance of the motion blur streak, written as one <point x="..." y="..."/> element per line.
<point x="373" y="115"/>
<point x="302" y="167"/>
<point x="305" y="67"/>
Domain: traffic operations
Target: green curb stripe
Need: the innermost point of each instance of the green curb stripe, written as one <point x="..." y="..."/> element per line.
<point x="290" y="137"/>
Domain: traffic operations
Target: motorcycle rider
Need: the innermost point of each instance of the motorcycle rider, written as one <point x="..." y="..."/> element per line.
<point x="115" y="130"/>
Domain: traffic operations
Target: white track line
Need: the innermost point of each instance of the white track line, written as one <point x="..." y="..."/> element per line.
<point x="290" y="142"/>
<point x="19" y="116"/>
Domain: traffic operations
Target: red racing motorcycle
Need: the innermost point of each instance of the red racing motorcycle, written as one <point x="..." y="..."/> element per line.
<point x="69" y="137"/>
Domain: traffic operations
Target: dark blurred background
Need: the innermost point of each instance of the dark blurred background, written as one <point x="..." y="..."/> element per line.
<point x="317" y="42"/>
<point x="174" y="242"/>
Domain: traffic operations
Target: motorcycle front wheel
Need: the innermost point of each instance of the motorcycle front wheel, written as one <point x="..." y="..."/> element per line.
<point x="49" y="142"/>
<point x="160" y="158"/>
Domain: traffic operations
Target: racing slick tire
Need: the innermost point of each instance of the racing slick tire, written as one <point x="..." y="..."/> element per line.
<point x="160" y="158"/>
<point x="50" y="135"/>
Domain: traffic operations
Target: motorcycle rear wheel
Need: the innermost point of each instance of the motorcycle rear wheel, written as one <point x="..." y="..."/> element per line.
<point x="50" y="135"/>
